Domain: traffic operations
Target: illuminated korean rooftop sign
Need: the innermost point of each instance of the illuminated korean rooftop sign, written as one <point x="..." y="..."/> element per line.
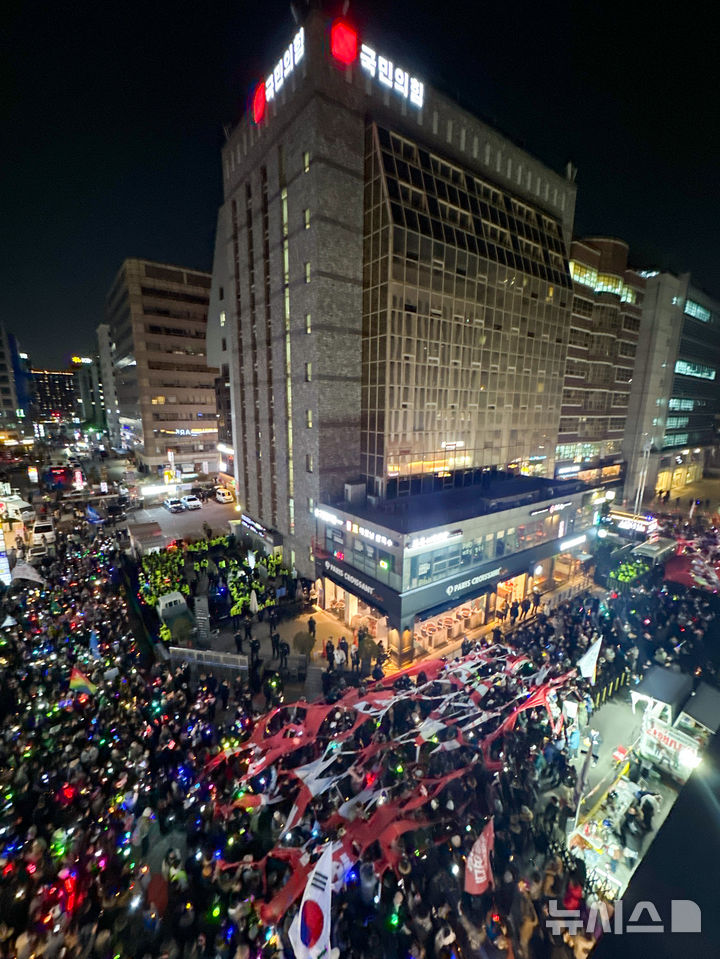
<point x="345" y="49"/>
<point x="391" y="76"/>
<point x="267" y="89"/>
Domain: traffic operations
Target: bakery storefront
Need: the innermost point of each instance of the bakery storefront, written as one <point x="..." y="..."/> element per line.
<point x="421" y="591"/>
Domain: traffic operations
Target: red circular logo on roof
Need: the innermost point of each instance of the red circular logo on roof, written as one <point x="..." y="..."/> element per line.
<point x="343" y="42"/>
<point x="259" y="103"/>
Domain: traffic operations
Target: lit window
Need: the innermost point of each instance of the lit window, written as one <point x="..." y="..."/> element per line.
<point x="695" y="369"/>
<point x="308" y="419"/>
<point x="307" y="272"/>
<point x="307" y="219"/>
<point x="306" y="162"/>
<point x="308" y="323"/>
<point x="223" y="317"/>
<point x="311" y="504"/>
<point x="308" y="372"/>
<point x="157" y="400"/>
<point x="698" y="312"/>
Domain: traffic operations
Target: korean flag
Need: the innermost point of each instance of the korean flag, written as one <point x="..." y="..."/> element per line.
<point x="310" y="929"/>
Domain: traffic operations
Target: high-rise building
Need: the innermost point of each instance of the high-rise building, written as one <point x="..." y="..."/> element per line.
<point x="89" y="389"/>
<point x="157" y="319"/>
<point x="604" y="324"/>
<point x="391" y="288"/>
<point x="55" y="396"/>
<point x="16" y="385"/>
<point x="107" y="382"/>
<point x="674" y="417"/>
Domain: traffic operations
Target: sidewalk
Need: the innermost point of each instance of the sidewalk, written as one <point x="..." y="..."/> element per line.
<point x="329" y="627"/>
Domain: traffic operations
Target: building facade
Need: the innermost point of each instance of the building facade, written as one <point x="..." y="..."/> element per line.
<point x="89" y="389"/>
<point x="157" y="319"/>
<point x="16" y="386"/>
<point x="107" y="381"/>
<point x="674" y="419"/>
<point x="605" y="323"/>
<point x="391" y="286"/>
<point x="55" y="396"/>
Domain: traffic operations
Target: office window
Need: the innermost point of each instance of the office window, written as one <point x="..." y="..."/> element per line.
<point x="306" y="216"/>
<point x="308" y="323"/>
<point x="308" y="372"/>
<point x="223" y="318"/>
<point x="221" y="293"/>
<point x="311" y="504"/>
<point x="306" y="161"/>
<point x="307" y="272"/>
<point x="309" y="462"/>
<point x="308" y="419"/>
<point x="223" y="344"/>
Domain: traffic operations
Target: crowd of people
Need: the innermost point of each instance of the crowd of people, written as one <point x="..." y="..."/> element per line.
<point x="147" y="812"/>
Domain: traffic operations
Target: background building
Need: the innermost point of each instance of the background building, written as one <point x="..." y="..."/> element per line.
<point x="604" y="326"/>
<point x="16" y="386"/>
<point x="157" y="319"/>
<point x="674" y="417"/>
<point x="107" y="382"/>
<point x="55" y="396"/>
<point x="91" y="401"/>
<point x="391" y="285"/>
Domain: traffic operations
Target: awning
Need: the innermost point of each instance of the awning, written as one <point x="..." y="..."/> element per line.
<point x="584" y="557"/>
<point x="665" y="686"/>
<point x="704" y="707"/>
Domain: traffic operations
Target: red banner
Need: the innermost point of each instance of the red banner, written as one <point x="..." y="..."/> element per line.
<point x="478" y="874"/>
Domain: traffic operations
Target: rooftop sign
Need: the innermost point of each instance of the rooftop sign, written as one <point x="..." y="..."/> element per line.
<point x="345" y="49"/>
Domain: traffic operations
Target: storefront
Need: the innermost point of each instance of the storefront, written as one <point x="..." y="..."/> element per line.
<point x="432" y="616"/>
<point x="679" y="469"/>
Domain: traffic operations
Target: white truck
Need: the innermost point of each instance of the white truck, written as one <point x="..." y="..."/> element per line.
<point x="17" y="510"/>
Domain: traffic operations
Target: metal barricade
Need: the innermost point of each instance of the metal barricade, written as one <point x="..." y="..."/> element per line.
<point x="208" y="659"/>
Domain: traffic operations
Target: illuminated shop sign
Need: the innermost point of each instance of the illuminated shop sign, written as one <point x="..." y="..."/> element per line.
<point x="349" y="578"/>
<point x="368" y="533"/>
<point x="249" y="523"/>
<point x="568" y="470"/>
<point x="391" y="76"/>
<point x="475" y="581"/>
<point x="435" y="539"/>
<point x="267" y="89"/>
<point x="327" y="517"/>
<point x="638" y="524"/>
<point x="554" y="508"/>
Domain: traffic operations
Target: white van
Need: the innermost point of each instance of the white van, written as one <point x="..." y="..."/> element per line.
<point x="223" y="495"/>
<point x="19" y="511"/>
<point x="43" y="532"/>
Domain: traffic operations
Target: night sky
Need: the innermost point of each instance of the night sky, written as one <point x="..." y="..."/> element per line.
<point x="114" y="122"/>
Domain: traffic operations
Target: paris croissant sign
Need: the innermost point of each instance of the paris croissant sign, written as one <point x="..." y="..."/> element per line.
<point x="346" y="49"/>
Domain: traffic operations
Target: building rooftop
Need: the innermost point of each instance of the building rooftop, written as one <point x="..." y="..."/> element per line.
<point x="496" y="491"/>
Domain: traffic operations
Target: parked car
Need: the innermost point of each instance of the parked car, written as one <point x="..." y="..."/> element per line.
<point x="43" y="532"/>
<point x="173" y="504"/>
<point x="191" y="502"/>
<point x="223" y="495"/>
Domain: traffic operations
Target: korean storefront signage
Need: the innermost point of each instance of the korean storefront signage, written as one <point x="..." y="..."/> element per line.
<point x="473" y="581"/>
<point x="554" y="508"/>
<point x="350" y="578"/>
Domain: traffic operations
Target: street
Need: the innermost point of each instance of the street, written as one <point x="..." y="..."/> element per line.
<point x="189" y="523"/>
